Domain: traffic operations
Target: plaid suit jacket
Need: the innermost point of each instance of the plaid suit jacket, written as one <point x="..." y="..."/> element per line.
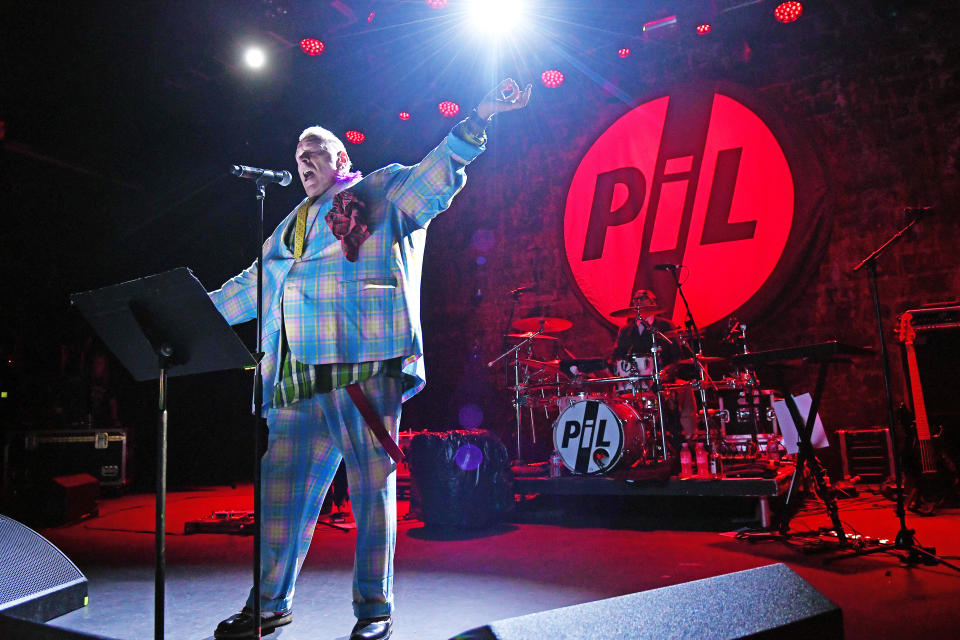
<point x="336" y="311"/>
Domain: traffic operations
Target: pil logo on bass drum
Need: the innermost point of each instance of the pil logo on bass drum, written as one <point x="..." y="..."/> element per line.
<point x="594" y="436"/>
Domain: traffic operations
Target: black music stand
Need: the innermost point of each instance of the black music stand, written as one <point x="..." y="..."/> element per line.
<point x="160" y="326"/>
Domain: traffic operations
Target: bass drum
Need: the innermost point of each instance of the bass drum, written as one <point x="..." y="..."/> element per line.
<point x="594" y="436"/>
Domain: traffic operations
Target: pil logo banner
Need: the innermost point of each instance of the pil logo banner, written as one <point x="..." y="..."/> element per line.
<point x="697" y="178"/>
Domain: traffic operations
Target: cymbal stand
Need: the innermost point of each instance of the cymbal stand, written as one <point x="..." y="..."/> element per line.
<point x="657" y="389"/>
<point x="515" y="350"/>
<point x="696" y="350"/>
<point x="739" y="334"/>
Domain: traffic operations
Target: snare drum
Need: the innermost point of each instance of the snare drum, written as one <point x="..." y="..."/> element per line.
<point x="594" y="436"/>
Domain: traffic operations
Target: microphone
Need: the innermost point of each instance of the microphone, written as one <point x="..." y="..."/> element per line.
<point x="667" y="267"/>
<point x="283" y="178"/>
<point x="916" y="212"/>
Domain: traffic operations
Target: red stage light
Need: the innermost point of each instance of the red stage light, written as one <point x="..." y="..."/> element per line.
<point x="403" y="115"/>
<point x="551" y="78"/>
<point x="437" y="4"/>
<point x="788" y="11"/>
<point x="370" y="17"/>
<point x="703" y="29"/>
<point x="312" y="46"/>
<point x="356" y="137"/>
<point x="623" y="53"/>
<point x="448" y="108"/>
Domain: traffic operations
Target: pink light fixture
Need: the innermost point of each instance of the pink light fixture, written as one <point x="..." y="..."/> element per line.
<point x="448" y="108"/>
<point x="551" y="78"/>
<point x="788" y="12"/>
<point x="312" y="46"/>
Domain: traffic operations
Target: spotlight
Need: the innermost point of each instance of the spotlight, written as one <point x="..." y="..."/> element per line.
<point x="551" y="78"/>
<point x="788" y="12"/>
<point x="448" y="108"/>
<point x="623" y="53"/>
<point x="703" y="29"/>
<point x="495" y="17"/>
<point x="254" y="57"/>
<point x="403" y="115"/>
<point x="312" y="46"/>
<point x="356" y="137"/>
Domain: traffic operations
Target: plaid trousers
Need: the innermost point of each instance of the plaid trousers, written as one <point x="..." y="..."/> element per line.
<point x="307" y="441"/>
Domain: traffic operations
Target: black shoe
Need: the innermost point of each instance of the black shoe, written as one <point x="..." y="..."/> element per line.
<point x="240" y="625"/>
<point x="372" y="629"/>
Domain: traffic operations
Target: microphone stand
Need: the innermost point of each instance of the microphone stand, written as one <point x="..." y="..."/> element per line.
<point x="696" y="352"/>
<point x="258" y="411"/>
<point x="905" y="540"/>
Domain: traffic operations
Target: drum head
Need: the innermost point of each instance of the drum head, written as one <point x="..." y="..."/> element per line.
<point x="589" y="437"/>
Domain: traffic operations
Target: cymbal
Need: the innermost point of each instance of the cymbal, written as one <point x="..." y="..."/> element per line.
<point x="551" y="365"/>
<point x="529" y="334"/>
<point x="550" y="325"/>
<point x="707" y="360"/>
<point x="632" y="312"/>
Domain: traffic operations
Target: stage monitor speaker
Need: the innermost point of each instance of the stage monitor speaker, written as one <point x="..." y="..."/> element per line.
<point x="38" y="581"/>
<point x="26" y="630"/>
<point x="768" y="602"/>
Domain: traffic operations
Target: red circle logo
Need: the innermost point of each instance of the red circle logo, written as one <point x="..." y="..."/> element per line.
<point x="695" y="179"/>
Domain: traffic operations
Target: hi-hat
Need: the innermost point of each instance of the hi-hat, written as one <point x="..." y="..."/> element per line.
<point x="529" y="334"/>
<point x="550" y="325"/>
<point x="633" y="312"/>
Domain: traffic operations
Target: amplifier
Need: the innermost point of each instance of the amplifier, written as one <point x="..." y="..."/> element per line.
<point x="937" y="350"/>
<point x="934" y="317"/>
<point x="35" y="456"/>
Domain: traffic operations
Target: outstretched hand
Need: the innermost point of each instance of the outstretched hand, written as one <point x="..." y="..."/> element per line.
<point x="506" y="96"/>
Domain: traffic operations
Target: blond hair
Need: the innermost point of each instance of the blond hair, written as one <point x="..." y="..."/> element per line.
<point x="328" y="141"/>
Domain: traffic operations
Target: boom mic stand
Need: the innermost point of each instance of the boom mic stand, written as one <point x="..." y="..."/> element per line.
<point x="905" y="540"/>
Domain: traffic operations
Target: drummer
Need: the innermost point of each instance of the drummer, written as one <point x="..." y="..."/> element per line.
<point x="631" y="353"/>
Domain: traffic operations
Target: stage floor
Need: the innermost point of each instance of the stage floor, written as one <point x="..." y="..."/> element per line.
<point x="555" y="551"/>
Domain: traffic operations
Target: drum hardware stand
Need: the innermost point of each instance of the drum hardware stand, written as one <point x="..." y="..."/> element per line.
<point x="657" y="387"/>
<point x="739" y="333"/>
<point x="515" y="350"/>
<point x="696" y="350"/>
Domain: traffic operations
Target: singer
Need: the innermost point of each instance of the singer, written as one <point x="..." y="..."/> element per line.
<point x="341" y="329"/>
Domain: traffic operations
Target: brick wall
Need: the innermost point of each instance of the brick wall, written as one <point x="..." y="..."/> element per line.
<point x="875" y="91"/>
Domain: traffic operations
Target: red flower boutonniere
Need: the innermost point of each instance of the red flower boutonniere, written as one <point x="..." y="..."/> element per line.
<point x="346" y="221"/>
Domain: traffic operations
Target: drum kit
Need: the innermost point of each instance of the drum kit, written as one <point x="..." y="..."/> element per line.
<point x="611" y="416"/>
